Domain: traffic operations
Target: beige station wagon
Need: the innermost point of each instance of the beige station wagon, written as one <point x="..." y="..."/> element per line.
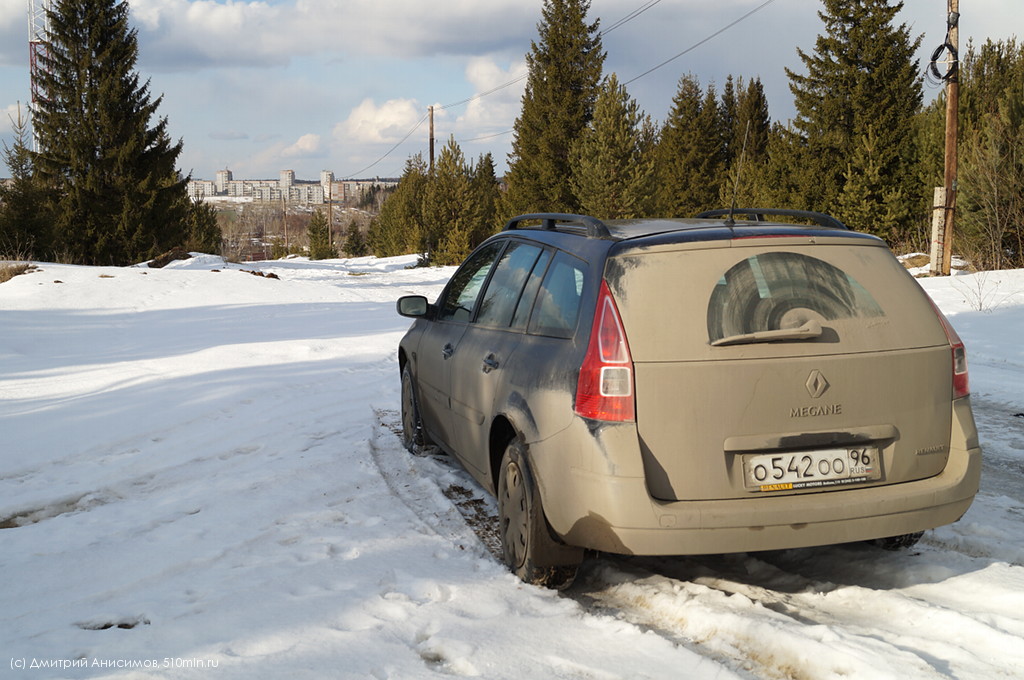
<point x="692" y="386"/>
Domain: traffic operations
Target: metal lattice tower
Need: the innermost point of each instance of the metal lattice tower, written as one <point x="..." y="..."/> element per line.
<point x="38" y="27"/>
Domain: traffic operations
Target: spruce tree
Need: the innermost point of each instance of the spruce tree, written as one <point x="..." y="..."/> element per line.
<point x="320" y="247"/>
<point x="116" y="195"/>
<point x="862" y="74"/>
<point x="752" y="124"/>
<point x="24" y="229"/>
<point x="748" y="129"/>
<point x="486" y="199"/>
<point x="690" y="155"/>
<point x="782" y="178"/>
<point x="355" y="244"/>
<point x="399" y="228"/>
<point x="565" y="67"/>
<point x="448" y="208"/>
<point x="612" y="169"/>
<point x="204" y="235"/>
<point x="867" y="198"/>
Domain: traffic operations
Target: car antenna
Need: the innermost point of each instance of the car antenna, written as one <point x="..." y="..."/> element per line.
<point x="730" y="221"/>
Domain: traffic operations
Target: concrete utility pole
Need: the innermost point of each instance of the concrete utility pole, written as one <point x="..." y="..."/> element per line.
<point x="945" y="196"/>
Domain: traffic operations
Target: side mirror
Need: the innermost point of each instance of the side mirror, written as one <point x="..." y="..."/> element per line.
<point x="413" y="305"/>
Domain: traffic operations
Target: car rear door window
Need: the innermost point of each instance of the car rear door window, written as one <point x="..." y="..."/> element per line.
<point x="558" y="301"/>
<point x="461" y="295"/>
<point x="522" y="315"/>
<point x="506" y="285"/>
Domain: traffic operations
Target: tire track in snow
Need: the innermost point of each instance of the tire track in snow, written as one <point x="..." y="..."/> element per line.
<point x="773" y="615"/>
<point x="840" y="611"/>
<point x="445" y="499"/>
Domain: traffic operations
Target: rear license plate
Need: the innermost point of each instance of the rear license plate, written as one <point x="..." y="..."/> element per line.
<point x="810" y="469"/>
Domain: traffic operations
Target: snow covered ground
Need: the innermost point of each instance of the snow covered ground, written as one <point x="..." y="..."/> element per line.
<point x="199" y="478"/>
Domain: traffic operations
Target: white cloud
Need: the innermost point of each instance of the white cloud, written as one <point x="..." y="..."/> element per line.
<point x="190" y="34"/>
<point x="9" y="114"/>
<point x="387" y="123"/>
<point x="496" y="107"/>
<point x="307" y="146"/>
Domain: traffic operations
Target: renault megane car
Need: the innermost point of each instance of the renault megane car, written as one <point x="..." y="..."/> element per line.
<point x="691" y="386"/>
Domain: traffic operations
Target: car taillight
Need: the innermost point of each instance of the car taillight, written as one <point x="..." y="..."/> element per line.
<point x="960" y="386"/>
<point x="604" y="390"/>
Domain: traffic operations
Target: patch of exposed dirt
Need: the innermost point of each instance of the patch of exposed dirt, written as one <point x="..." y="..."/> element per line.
<point x="170" y="256"/>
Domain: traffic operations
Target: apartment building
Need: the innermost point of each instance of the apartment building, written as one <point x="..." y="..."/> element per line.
<point x="286" y="188"/>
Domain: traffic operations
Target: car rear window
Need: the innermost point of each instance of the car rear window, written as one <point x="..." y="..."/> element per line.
<point x="677" y="302"/>
<point x="783" y="290"/>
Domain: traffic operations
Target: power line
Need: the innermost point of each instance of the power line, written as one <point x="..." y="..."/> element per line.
<point x="626" y="19"/>
<point x="480" y="95"/>
<point x="496" y="134"/>
<point x="698" y="44"/>
<point x="392" y="149"/>
<point x="629" y="17"/>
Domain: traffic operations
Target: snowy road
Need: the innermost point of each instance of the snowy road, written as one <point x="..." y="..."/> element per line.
<point x="855" y="610"/>
<point x="199" y="478"/>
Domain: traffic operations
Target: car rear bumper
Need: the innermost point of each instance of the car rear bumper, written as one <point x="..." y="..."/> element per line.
<point x="615" y="513"/>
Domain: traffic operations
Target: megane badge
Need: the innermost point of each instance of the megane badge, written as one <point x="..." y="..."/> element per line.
<point x="816" y="384"/>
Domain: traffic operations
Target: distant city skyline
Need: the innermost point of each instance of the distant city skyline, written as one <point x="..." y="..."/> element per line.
<point x="287" y="187"/>
<point x="341" y="84"/>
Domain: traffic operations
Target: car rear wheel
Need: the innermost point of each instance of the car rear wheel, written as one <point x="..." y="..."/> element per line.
<point x="413" y="435"/>
<point x="901" y="542"/>
<point x="530" y="549"/>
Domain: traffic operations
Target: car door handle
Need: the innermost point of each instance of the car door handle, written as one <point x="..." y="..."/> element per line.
<point x="447" y="351"/>
<point x="490" y="363"/>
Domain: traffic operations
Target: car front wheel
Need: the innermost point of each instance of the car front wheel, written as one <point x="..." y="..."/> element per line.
<point x="413" y="435"/>
<point x="530" y="549"/>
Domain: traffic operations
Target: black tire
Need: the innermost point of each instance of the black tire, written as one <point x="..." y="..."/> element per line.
<point x="413" y="436"/>
<point x="901" y="542"/>
<point x="529" y="547"/>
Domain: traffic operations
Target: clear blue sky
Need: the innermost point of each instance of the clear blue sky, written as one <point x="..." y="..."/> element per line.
<point x="308" y="85"/>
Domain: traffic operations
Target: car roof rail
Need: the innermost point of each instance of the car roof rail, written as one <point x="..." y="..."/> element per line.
<point x="595" y="227"/>
<point x="757" y="215"/>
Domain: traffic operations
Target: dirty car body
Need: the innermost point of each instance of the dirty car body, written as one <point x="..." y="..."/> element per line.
<point x="692" y="386"/>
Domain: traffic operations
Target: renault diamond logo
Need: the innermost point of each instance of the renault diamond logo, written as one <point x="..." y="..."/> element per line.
<point x="817" y="385"/>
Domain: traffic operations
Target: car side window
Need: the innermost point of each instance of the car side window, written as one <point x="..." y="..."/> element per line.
<point x="522" y="315"/>
<point x="506" y="285"/>
<point x="558" y="301"/>
<point x="460" y="297"/>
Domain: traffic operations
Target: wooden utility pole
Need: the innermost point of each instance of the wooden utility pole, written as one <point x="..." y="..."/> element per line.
<point x="944" y="203"/>
<point x="952" y="130"/>
<point x="431" y="140"/>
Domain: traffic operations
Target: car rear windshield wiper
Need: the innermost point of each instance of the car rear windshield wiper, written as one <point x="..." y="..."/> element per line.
<point x="809" y="331"/>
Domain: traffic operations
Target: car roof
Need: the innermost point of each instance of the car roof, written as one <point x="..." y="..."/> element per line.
<point x="709" y="226"/>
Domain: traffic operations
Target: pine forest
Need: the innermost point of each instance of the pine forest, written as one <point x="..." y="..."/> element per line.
<point x="864" y="146"/>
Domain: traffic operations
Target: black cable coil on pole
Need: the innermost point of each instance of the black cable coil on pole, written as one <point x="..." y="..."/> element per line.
<point x="954" y="64"/>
